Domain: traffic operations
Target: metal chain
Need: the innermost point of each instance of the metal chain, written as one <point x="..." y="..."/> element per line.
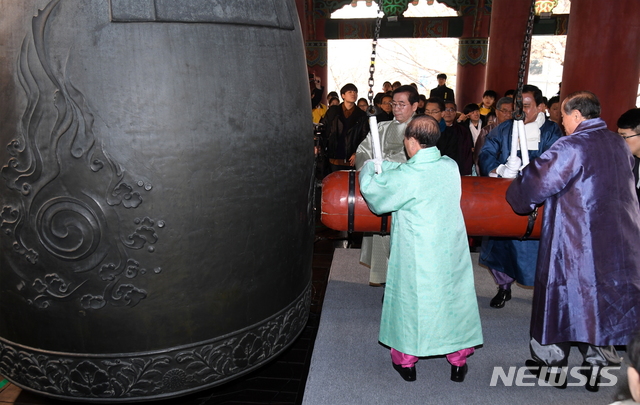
<point x="518" y="114"/>
<point x="372" y="66"/>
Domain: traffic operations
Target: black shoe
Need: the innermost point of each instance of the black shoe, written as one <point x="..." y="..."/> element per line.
<point x="407" y="373"/>
<point x="501" y="297"/>
<point x="593" y="381"/>
<point x="536" y="368"/>
<point x="458" y="373"/>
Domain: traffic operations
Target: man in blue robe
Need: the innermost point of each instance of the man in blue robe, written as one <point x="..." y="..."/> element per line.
<point x="512" y="260"/>
<point x="587" y="285"/>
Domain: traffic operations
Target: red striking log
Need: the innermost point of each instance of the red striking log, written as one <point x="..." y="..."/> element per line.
<point x="485" y="210"/>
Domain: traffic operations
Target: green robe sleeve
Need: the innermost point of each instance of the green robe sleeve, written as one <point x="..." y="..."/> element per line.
<point x="383" y="192"/>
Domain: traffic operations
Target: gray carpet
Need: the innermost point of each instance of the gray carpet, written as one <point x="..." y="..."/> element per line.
<point x="349" y="366"/>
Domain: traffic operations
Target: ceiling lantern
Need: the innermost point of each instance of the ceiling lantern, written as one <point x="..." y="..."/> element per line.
<point x="545" y="6"/>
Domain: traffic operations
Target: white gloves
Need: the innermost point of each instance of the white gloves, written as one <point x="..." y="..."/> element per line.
<point x="510" y="170"/>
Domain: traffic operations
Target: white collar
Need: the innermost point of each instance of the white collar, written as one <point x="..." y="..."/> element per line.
<point x="532" y="130"/>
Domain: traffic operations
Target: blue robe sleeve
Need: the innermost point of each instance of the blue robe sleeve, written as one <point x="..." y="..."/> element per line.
<point x="489" y="158"/>
<point x="544" y="177"/>
<point x="383" y="192"/>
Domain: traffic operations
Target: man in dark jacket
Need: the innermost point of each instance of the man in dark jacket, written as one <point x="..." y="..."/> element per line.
<point x="346" y="126"/>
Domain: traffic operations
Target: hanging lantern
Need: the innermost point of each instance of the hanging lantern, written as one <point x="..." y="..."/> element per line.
<point x="394" y="8"/>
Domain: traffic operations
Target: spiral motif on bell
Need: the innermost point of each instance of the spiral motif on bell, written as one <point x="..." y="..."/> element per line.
<point x="68" y="228"/>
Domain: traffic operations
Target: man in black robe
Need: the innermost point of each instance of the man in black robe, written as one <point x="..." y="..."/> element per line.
<point x="629" y="129"/>
<point x="455" y="140"/>
<point x="442" y="91"/>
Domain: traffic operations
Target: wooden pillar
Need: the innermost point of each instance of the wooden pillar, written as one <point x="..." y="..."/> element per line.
<point x="506" y="36"/>
<point x="472" y="56"/>
<point x="314" y="40"/>
<point x="472" y="62"/>
<point x="317" y="60"/>
<point x="602" y="54"/>
<point x="303" y="14"/>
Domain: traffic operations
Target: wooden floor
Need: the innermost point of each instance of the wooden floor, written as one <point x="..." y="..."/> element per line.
<point x="282" y="381"/>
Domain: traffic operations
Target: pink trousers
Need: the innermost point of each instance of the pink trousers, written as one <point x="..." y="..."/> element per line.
<point x="457" y="359"/>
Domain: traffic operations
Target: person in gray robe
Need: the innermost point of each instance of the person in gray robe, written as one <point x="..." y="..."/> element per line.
<point x="375" y="246"/>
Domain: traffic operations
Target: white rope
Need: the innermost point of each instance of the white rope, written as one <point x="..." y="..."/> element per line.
<point x="519" y="135"/>
<point x="375" y="139"/>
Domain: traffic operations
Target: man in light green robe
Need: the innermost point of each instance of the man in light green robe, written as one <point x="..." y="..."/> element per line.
<point x="375" y="247"/>
<point x="430" y="306"/>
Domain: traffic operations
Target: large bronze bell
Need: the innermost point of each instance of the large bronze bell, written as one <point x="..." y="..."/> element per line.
<point x="156" y="212"/>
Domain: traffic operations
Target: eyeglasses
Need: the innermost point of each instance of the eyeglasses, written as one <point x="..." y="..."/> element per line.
<point x="432" y="111"/>
<point x="398" y="105"/>
<point x="629" y="136"/>
<point x="449" y="110"/>
<point x="505" y="111"/>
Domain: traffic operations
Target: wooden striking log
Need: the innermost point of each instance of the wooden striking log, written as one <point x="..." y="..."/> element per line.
<point x="485" y="210"/>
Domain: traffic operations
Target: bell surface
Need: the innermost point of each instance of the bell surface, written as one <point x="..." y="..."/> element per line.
<point x="157" y="194"/>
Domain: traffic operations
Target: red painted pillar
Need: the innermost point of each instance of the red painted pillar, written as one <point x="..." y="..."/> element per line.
<point x="301" y="8"/>
<point x="602" y="54"/>
<point x="472" y="62"/>
<point x="317" y="53"/>
<point x="472" y="57"/>
<point x="506" y="36"/>
<point x="317" y="61"/>
<point x="314" y="40"/>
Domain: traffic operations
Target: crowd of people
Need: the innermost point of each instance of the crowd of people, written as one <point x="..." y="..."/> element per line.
<point x="458" y="123"/>
<point x="585" y="270"/>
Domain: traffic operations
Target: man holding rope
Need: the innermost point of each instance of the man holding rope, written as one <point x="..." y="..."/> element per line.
<point x="587" y="285"/>
<point x="512" y="260"/>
